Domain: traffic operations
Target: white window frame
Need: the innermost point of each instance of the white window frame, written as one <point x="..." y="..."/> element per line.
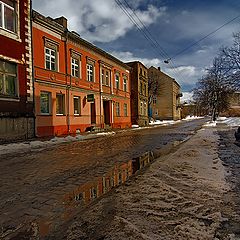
<point x="2" y="20"/>
<point x="117" y="81"/>
<point x="49" y="103"/>
<point x="75" y="67"/>
<point x="79" y="105"/>
<point x="125" y="80"/>
<point x="90" y="72"/>
<point x="51" y="57"/>
<point x="4" y="74"/>
<point x="63" y="104"/>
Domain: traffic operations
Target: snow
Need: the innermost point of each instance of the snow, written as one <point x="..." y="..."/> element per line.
<point x="231" y="122"/>
<point x="27" y="146"/>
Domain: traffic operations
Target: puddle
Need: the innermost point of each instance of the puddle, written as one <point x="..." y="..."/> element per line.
<point x="84" y="194"/>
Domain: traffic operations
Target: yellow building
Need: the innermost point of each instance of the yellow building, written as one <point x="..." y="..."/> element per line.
<point x="166" y="104"/>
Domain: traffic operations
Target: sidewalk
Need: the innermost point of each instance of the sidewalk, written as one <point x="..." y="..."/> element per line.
<point x="180" y="197"/>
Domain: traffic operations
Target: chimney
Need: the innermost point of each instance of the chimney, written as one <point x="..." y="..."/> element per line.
<point x="62" y="21"/>
<point x="159" y="69"/>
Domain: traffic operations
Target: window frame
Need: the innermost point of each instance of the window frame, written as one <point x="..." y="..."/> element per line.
<point x="75" y="67"/>
<point x="5" y="73"/>
<point x="79" y="105"/>
<point x="125" y="81"/>
<point x="125" y="109"/>
<point x="3" y="21"/>
<point x="117" y="80"/>
<point x="117" y="107"/>
<point x="63" y="104"/>
<point x="49" y="94"/>
<point x="90" y="72"/>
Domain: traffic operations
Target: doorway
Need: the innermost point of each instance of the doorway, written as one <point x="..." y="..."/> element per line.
<point x="106" y="110"/>
<point x="93" y="113"/>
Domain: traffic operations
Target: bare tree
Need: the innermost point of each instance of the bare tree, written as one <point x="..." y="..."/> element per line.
<point x="213" y="90"/>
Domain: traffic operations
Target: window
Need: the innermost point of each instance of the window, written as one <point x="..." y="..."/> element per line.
<point x="75" y="67"/>
<point x="45" y="100"/>
<point x="90" y="72"/>
<point x="8" y="79"/>
<point x="117" y="80"/>
<point x="125" y="84"/>
<point x="141" y="88"/>
<point x="145" y="109"/>
<point x="107" y="78"/>
<point x="60" y="104"/>
<point x="141" y="108"/>
<point x="76" y="105"/>
<point x="154" y="100"/>
<point x="51" y="59"/>
<point x="117" y="109"/>
<point x="125" y="110"/>
<point x="156" y="112"/>
<point x="144" y="90"/>
<point x="8" y="15"/>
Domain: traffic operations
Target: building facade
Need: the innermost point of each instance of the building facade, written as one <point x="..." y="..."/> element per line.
<point x="166" y="104"/>
<point x="16" y="86"/>
<point x="78" y="86"/>
<point x="139" y="93"/>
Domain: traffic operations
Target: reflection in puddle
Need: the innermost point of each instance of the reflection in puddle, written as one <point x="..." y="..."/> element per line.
<point x="119" y="174"/>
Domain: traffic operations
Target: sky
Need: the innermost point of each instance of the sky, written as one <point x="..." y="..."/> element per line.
<point x="173" y="25"/>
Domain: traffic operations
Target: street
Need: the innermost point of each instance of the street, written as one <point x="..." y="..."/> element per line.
<point x="38" y="185"/>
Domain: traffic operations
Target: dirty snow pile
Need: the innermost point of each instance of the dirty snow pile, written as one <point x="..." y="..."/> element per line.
<point x="178" y="197"/>
<point x="27" y="146"/>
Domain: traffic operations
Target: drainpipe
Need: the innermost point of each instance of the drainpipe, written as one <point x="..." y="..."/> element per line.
<point x="100" y="88"/>
<point x="33" y="78"/>
<point x="66" y="76"/>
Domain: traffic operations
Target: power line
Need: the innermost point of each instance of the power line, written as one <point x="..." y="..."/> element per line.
<point x="146" y="33"/>
<point x="201" y="39"/>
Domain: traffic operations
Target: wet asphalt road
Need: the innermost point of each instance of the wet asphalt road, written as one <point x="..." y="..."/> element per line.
<point x="34" y="183"/>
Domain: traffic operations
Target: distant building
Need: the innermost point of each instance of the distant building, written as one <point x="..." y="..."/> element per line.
<point x="78" y="86"/>
<point x="16" y="87"/>
<point x="166" y="104"/>
<point x="234" y="108"/>
<point x="139" y="93"/>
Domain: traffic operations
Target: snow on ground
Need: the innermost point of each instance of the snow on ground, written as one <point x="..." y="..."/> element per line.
<point x="178" y="197"/>
<point x="231" y="122"/>
<point x="26" y="146"/>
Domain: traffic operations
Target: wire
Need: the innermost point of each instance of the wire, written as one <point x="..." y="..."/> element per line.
<point x="201" y="39"/>
<point x="146" y="33"/>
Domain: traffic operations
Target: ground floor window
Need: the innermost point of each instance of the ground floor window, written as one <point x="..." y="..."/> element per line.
<point x="8" y="79"/>
<point x="117" y="109"/>
<point x="76" y="105"/>
<point x="125" y="110"/>
<point x="60" y="104"/>
<point x="45" y="100"/>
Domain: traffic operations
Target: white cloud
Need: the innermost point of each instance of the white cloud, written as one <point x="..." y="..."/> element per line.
<point x="187" y="97"/>
<point x="96" y="20"/>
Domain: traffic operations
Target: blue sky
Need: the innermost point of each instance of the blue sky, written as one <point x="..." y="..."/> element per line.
<point x="174" y="24"/>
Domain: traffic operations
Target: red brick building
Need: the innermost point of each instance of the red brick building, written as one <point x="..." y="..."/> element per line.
<point x="77" y="85"/>
<point x="16" y="88"/>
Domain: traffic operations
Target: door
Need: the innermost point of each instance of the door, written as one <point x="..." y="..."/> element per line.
<point x="106" y="110"/>
<point x="93" y="113"/>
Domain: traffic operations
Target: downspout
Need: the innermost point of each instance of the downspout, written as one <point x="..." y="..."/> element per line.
<point x="66" y="76"/>
<point x="100" y="88"/>
<point x="33" y="77"/>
